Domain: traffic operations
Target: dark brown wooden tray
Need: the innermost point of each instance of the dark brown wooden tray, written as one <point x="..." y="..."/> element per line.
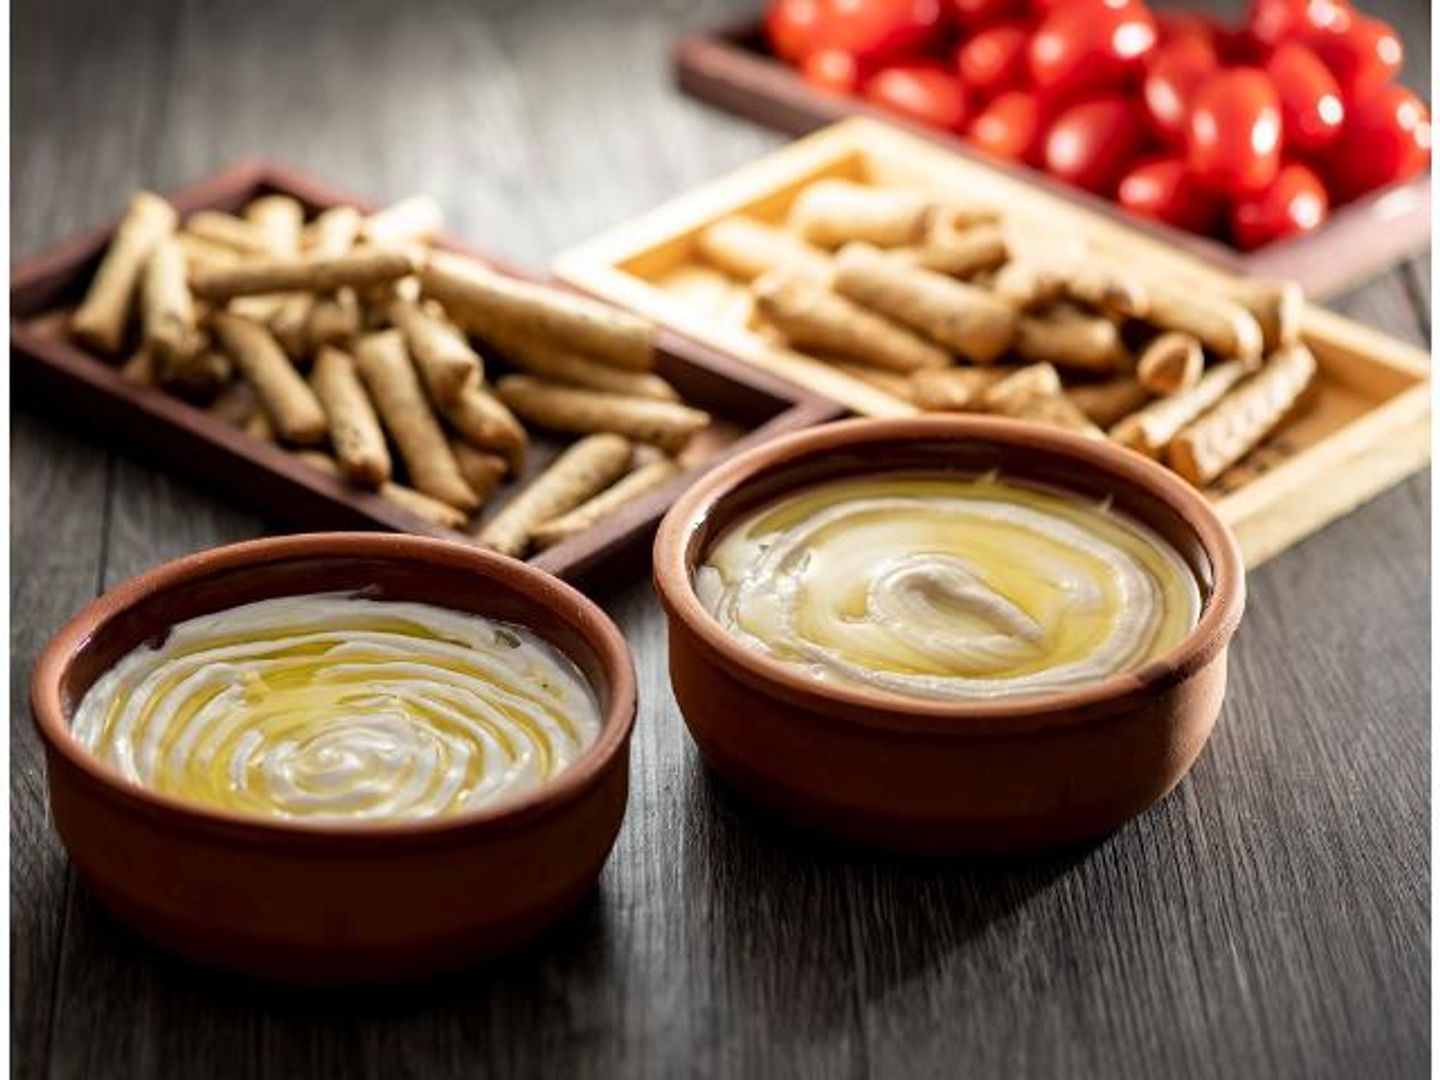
<point x="55" y="375"/>
<point x="731" y="68"/>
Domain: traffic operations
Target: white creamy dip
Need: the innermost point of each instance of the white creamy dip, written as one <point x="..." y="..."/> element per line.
<point x="335" y="706"/>
<point x="948" y="588"/>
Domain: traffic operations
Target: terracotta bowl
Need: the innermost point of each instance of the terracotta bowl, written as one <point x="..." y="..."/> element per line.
<point x="943" y="777"/>
<point x="325" y="903"/>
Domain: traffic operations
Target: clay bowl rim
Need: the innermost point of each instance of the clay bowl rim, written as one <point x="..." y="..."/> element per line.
<point x="676" y="553"/>
<point x="534" y="586"/>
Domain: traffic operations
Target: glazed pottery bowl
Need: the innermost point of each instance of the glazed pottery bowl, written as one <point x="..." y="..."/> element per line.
<point x="336" y="902"/>
<point x="948" y="777"/>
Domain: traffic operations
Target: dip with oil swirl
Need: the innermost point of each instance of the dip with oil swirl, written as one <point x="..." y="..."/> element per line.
<point x="948" y="588"/>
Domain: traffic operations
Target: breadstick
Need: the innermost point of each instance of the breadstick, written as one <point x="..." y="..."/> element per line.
<point x="483" y="471"/>
<point x="957" y="389"/>
<point x="167" y="311"/>
<point x="1072" y="339"/>
<point x="584" y="469"/>
<point x="891" y="382"/>
<point x="418" y="503"/>
<point x="569" y="408"/>
<point x="480" y="299"/>
<point x="334" y="232"/>
<point x="444" y="358"/>
<point x="388" y="374"/>
<point x="235" y="405"/>
<point x="813" y="318"/>
<point x="200" y="252"/>
<point x="278" y="220"/>
<point x="745" y="249"/>
<point x="486" y="424"/>
<point x="625" y="490"/>
<point x="334" y="320"/>
<point x="958" y="253"/>
<point x="288" y="401"/>
<point x="1027" y="285"/>
<point x="139" y="370"/>
<point x="417" y="219"/>
<point x="217" y="228"/>
<point x="830" y="213"/>
<point x="1250" y="412"/>
<point x="100" y="320"/>
<point x="1035" y="393"/>
<point x="964" y="318"/>
<point x="560" y="365"/>
<point x="201" y="377"/>
<point x="1171" y="363"/>
<point x="317" y="275"/>
<point x="1151" y="429"/>
<point x="354" y="428"/>
<point x="324" y="320"/>
<point x="1278" y="306"/>
<point x="1107" y="403"/>
<point x="1220" y="324"/>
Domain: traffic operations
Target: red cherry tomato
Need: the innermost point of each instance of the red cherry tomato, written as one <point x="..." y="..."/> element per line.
<point x="1295" y="203"/>
<point x="1386" y="139"/>
<point x="1090" y="143"/>
<point x="1171" y="26"/>
<point x="1235" y="131"/>
<point x="920" y="91"/>
<point x="1163" y="189"/>
<point x="1009" y="128"/>
<point x="1174" y="73"/>
<point x="792" y="27"/>
<point x="1310" y="104"/>
<point x="1085" y="45"/>
<point x="876" y="30"/>
<point x="1363" y="57"/>
<point x="1273" y="21"/>
<point x="994" y="59"/>
<point x="831" y="70"/>
<point x="974" y="14"/>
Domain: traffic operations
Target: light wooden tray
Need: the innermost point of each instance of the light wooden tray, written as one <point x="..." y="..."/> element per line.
<point x="1366" y="426"/>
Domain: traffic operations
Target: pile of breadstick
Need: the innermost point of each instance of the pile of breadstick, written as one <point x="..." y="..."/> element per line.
<point x="934" y="302"/>
<point x="350" y="340"/>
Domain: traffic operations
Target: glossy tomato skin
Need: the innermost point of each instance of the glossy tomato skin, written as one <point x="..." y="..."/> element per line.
<point x="1363" y="56"/>
<point x="792" y="27"/>
<point x="1010" y="127"/>
<point x="1092" y="142"/>
<point x="1090" y="45"/>
<point x="1386" y="139"/>
<point x="1173" y="74"/>
<point x="1161" y="188"/>
<point x="1271" y="22"/>
<point x="993" y="59"/>
<point x="1296" y="202"/>
<point x="1235" y="131"/>
<point x="975" y="14"/>
<point x="873" y="31"/>
<point x="832" y="70"/>
<point x="1311" y="108"/>
<point x="921" y="91"/>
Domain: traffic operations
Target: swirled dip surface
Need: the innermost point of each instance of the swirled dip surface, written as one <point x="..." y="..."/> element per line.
<point x="948" y="588"/>
<point x="334" y="706"/>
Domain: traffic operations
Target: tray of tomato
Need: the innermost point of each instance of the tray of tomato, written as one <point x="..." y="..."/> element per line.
<point x="1280" y="144"/>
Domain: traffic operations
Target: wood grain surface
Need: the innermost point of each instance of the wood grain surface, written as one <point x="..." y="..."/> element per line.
<point x="1270" y="918"/>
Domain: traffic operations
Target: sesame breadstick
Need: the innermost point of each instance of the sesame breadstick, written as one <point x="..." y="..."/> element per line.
<point x="417" y="219"/>
<point x="219" y="229"/>
<point x="167" y="310"/>
<point x="332" y="319"/>
<point x="1107" y="403"/>
<point x="829" y="213"/>
<point x="418" y="503"/>
<point x="1243" y="418"/>
<point x="1220" y="324"/>
<point x="485" y="423"/>
<point x="625" y="490"/>
<point x="355" y="433"/>
<point x="745" y="249"/>
<point x="200" y="252"/>
<point x="201" y="377"/>
<point x="812" y="318"/>
<point x="665" y="424"/>
<point x="1035" y="393"/>
<point x="958" y="252"/>
<point x="965" y="319"/>
<point x="388" y="374"/>
<point x="560" y="365"/>
<point x="480" y="299"/>
<point x="893" y="383"/>
<point x="587" y="467"/>
<point x="1278" y="306"/>
<point x="101" y="318"/>
<point x="1173" y="362"/>
<point x="957" y="389"/>
<point x="1070" y="338"/>
<point x="278" y="221"/>
<point x="444" y="358"/>
<point x="482" y="470"/>
<point x="288" y="401"/>
<point x="315" y="275"/>
<point x="235" y="405"/>
<point x="1151" y="429"/>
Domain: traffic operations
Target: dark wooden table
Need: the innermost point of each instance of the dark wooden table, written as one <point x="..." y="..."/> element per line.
<point x="1269" y="918"/>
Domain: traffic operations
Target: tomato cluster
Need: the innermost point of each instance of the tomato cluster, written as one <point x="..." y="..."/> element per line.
<point x="1248" y="133"/>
